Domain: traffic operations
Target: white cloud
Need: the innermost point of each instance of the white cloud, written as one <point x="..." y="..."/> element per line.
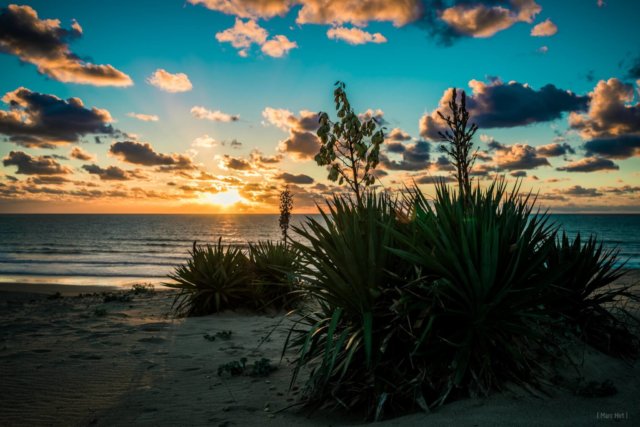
<point x="169" y="82"/>
<point x="216" y="116"/>
<point x="355" y="35"/>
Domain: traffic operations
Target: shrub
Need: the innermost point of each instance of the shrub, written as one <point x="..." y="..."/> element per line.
<point x="481" y="299"/>
<point x="275" y="266"/>
<point x="346" y="332"/>
<point x="412" y="305"/>
<point x="585" y="298"/>
<point x="213" y="279"/>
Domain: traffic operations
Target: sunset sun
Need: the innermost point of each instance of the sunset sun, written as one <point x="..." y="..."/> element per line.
<point x="223" y="199"/>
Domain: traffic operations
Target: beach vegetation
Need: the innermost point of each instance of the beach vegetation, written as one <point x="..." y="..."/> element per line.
<point x="413" y="301"/>
<point x="350" y="147"/>
<point x="275" y="266"/>
<point x="217" y="277"/>
<point x="213" y="278"/>
<point x="286" y="206"/>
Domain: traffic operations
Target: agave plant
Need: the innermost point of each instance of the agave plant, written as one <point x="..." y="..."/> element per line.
<point x="350" y="277"/>
<point x="585" y="295"/>
<point x="214" y="278"/>
<point x="275" y="268"/>
<point x="484" y="285"/>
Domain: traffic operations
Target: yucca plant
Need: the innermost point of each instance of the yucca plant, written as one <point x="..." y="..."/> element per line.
<point x="214" y="278"/>
<point x="275" y="268"/>
<point x="347" y="330"/>
<point x="584" y="294"/>
<point x="478" y="312"/>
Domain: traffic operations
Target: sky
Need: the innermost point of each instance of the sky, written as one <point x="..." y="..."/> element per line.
<point x="205" y="106"/>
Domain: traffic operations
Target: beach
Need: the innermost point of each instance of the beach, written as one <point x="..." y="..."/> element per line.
<point x="68" y="360"/>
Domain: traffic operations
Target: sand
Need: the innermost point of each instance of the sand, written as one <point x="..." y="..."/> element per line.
<point x="82" y="361"/>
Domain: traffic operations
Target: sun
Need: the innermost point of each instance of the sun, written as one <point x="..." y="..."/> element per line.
<point x="223" y="199"/>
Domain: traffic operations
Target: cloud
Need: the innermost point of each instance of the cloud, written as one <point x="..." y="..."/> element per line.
<point x="45" y="121"/>
<point x="484" y="20"/>
<point x="143" y="154"/>
<point x="295" y="179"/>
<point x="302" y="143"/>
<point x="625" y="189"/>
<point x="111" y="173"/>
<point x="580" y="191"/>
<point x="414" y="157"/>
<point x="355" y="35"/>
<point x="433" y="179"/>
<point x="216" y="116"/>
<point x="144" y="117"/>
<point x="611" y="112"/>
<point x="80" y="154"/>
<point x="544" y="29"/>
<point x="168" y="82"/>
<point x="634" y="69"/>
<point x="278" y="46"/>
<point x="44" y="43"/>
<point x="35" y="165"/>
<point x="496" y="104"/>
<point x="621" y="147"/>
<point x="247" y="8"/>
<point x="589" y="164"/>
<point x="554" y="150"/>
<point x="245" y="34"/>
<point x="519" y="156"/>
<point x="518" y="174"/>
<point x="204" y="141"/>
<point x="235" y="163"/>
<point x="397" y="135"/>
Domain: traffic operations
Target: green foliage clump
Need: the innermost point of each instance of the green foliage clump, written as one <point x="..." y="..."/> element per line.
<point x="143" y="288"/>
<point x="414" y="302"/>
<point x="214" y="278"/>
<point x="585" y="297"/>
<point x="275" y="266"/>
<point x="217" y="278"/>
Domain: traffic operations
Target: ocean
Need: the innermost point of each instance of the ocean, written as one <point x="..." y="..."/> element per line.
<point x="127" y="249"/>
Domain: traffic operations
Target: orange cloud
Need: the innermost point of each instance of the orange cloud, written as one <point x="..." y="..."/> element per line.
<point x="169" y="82"/>
<point x="544" y="29"/>
<point x="355" y="35"/>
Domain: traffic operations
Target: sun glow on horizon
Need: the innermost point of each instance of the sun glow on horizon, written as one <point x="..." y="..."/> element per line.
<point x="223" y="199"/>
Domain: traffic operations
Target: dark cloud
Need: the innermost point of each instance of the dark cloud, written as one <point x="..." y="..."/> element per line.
<point x="143" y="154"/>
<point x="44" y="43"/>
<point x="35" y="165"/>
<point x="634" y="69"/>
<point x="621" y="147"/>
<point x="503" y="105"/>
<point x="414" y="157"/>
<point x="579" y="191"/>
<point x="301" y="145"/>
<point x="432" y="179"/>
<point x="589" y="164"/>
<point x="236" y="163"/>
<point x="625" y="189"/>
<point x="519" y="156"/>
<point x="554" y="150"/>
<point x="45" y="121"/>
<point x="80" y="154"/>
<point x="518" y="174"/>
<point x="110" y="173"/>
<point x="48" y="180"/>
<point x="295" y="179"/>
